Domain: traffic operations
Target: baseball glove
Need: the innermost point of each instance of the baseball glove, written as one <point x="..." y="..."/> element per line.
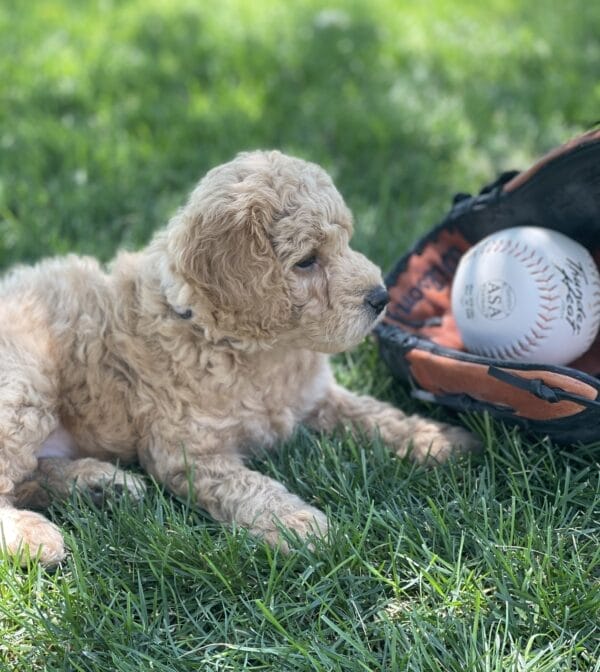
<point x="419" y="340"/>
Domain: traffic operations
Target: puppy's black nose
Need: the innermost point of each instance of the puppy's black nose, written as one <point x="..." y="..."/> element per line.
<point x="377" y="298"/>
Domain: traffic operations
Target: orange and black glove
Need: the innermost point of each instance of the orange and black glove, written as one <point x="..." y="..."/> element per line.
<point x="419" y="339"/>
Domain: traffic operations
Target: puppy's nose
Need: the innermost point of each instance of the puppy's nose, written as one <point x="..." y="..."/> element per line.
<point x="377" y="298"/>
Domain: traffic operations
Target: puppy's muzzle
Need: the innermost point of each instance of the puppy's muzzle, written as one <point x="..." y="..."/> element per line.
<point x="377" y="299"/>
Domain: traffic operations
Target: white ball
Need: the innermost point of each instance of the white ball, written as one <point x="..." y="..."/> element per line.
<point x="527" y="294"/>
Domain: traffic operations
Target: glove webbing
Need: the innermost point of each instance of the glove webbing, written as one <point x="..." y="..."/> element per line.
<point x="540" y="389"/>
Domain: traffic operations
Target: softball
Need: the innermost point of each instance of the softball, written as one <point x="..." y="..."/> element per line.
<point x="527" y="294"/>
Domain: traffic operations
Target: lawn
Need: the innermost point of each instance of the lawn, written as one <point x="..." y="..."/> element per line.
<point x="109" y="113"/>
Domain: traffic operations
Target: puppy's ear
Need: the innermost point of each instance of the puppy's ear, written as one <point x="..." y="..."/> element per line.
<point x="225" y="254"/>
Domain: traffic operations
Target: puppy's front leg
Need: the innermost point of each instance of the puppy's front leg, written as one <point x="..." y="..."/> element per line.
<point x="423" y="439"/>
<point x="222" y="485"/>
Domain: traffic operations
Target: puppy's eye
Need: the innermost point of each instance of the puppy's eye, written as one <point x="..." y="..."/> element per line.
<point x="308" y="262"/>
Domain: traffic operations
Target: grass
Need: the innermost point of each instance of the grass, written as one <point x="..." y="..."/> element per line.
<point x="109" y="112"/>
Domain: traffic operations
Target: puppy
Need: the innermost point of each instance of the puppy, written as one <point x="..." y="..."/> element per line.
<point x="183" y="357"/>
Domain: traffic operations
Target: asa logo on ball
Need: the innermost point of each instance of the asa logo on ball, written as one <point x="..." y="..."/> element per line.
<point x="496" y="299"/>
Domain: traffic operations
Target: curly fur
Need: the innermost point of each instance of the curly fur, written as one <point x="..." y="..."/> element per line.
<point x="185" y="356"/>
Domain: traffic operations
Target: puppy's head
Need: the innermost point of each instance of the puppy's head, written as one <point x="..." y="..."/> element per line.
<point x="261" y="252"/>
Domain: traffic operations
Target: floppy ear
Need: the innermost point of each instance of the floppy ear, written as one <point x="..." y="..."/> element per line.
<point x="225" y="253"/>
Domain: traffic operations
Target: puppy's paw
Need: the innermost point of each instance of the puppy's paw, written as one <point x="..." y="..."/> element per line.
<point x="25" y="534"/>
<point x="56" y="478"/>
<point x="434" y="442"/>
<point x="103" y="481"/>
<point x="306" y="523"/>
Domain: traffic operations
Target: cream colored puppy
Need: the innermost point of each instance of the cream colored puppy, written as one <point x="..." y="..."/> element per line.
<point x="187" y="355"/>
